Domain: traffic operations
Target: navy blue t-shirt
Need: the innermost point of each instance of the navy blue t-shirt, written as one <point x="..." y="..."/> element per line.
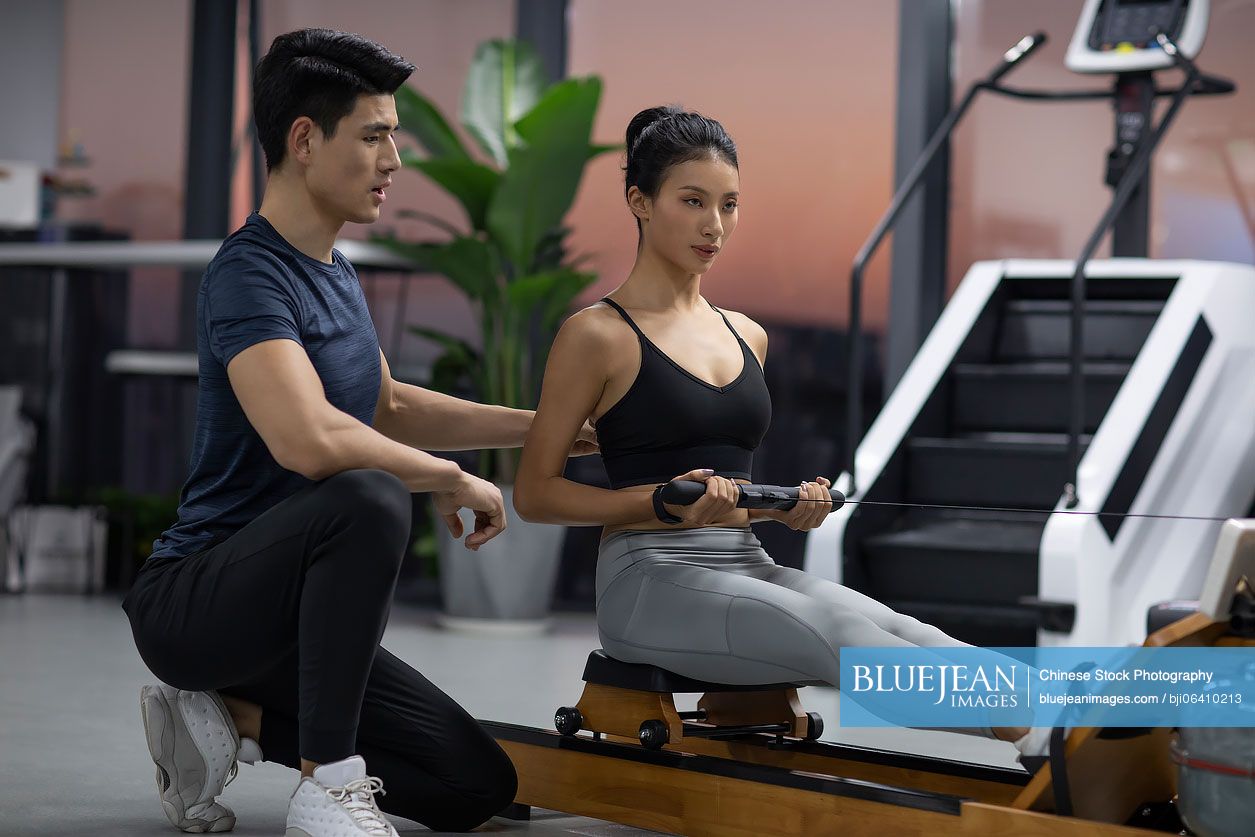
<point x="258" y="287"/>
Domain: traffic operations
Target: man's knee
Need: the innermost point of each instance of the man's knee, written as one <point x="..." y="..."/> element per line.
<point x="503" y="783"/>
<point x="493" y="787"/>
<point x="476" y="792"/>
<point x="376" y="499"/>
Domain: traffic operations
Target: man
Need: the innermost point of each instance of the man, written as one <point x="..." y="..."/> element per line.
<point x="264" y="605"/>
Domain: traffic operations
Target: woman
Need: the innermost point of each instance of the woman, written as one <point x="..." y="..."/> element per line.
<point x="675" y="387"/>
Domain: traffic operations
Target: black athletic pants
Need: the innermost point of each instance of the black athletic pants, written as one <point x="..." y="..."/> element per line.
<point x="288" y="613"/>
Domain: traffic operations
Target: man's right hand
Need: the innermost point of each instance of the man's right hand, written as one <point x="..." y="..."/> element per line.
<point x="481" y="497"/>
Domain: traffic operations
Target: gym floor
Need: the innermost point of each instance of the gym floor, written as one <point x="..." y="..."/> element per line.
<point x="74" y="760"/>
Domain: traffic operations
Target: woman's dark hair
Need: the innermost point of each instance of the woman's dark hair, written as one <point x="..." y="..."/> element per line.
<point x="318" y="73"/>
<point x="662" y="137"/>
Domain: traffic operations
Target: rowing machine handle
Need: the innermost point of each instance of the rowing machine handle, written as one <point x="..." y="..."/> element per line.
<point x="784" y="497"/>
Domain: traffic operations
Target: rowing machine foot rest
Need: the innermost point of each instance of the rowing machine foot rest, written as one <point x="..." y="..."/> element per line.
<point x="1108" y="775"/>
<point x="627" y="699"/>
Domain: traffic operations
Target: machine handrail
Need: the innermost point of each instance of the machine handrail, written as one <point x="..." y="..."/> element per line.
<point x="1196" y="83"/>
<point x="1139" y="164"/>
<point x="1204" y="85"/>
<point x="854" y="411"/>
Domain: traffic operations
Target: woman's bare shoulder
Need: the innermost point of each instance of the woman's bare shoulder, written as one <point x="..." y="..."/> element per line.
<point x="750" y="331"/>
<point x="598" y="329"/>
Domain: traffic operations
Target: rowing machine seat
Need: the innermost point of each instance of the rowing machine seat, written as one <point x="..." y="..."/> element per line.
<point x="633" y="699"/>
<point x="604" y="670"/>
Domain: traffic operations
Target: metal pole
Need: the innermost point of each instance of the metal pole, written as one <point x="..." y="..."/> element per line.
<point x="1134" y="105"/>
<point x="917" y="278"/>
<point x="57" y="302"/>
<point x="210" y="109"/>
<point x="854" y="408"/>
<point x="854" y="343"/>
<point x="542" y="23"/>
<point x="254" y="55"/>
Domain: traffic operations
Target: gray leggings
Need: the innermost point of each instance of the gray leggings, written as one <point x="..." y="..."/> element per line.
<point x="712" y="605"/>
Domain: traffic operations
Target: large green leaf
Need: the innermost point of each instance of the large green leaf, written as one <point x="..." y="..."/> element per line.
<point x="429" y="218"/>
<point x="564" y="114"/>
<point x="505" y="82"/>
<point x="549" y="293"/>
<point x="421" y="118"/>
<point x="448" y="372"/>
<point x="459" y="360"/>
<point x="469" y="263"/>
<point x="537" y="189"/>
<point x="471" y="183"/>
<point x="455" y="347"/>
<point x="550" y="250"/>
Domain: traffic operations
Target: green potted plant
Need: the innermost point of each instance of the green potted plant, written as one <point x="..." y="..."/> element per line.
<point x="511" y="263"/>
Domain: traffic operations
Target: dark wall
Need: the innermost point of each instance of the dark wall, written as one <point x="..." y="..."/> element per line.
<point x="83" y="450"/>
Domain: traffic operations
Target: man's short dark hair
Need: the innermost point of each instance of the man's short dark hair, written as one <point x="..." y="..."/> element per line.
<point x="318" y="73"/>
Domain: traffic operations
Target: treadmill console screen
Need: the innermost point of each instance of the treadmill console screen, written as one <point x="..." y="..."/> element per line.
<point x="1120" y="24"/>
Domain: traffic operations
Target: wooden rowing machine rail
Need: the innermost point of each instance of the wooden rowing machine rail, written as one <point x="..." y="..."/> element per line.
<point x="689" y="779"/>
<point x="741" y="764"/>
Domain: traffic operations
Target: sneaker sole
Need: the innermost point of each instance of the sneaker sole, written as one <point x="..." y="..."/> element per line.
<point x="175" y="763"/>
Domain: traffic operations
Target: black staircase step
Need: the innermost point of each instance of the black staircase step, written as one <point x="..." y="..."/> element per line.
<point x="1030" y="397"/>
<point x="989" y="469"/>
<point x="1006" y="626"/>
<point x="957" y="561"/>
<point x="1037" y="329"/>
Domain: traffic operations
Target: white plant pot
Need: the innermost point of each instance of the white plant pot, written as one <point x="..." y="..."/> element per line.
<point x="507" y="586"/>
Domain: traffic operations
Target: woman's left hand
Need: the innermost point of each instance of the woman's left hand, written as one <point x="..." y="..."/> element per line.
<point x="808" y="514"/>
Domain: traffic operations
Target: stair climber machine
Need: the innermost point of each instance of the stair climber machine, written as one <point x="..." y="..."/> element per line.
<point x="1006" y="406"/>
<point x="1061" y="452"/>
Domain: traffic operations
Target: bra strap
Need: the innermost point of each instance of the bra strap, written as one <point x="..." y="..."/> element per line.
<point x="625" y="316"/>
<point x="729" y="325"/>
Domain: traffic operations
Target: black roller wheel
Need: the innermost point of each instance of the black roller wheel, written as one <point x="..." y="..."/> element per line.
<point x="568" y="720"/>
<point x="654" y="734"/>
<point x="814" y="726"/>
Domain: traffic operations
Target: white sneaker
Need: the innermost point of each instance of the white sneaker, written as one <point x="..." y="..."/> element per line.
<point x="1034" y="743"/>
<point x="338" y="801"/>
<point x="193" y="741"/>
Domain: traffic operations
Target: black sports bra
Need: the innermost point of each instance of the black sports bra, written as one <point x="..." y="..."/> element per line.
<point x="671" y="421"/>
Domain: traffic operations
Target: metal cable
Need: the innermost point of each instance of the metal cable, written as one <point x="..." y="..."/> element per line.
<point x="1009" y="510"/>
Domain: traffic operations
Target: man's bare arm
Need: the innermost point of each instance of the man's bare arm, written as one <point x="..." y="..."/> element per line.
<point x="434" y="421"/>
<point x="284" y="400"/>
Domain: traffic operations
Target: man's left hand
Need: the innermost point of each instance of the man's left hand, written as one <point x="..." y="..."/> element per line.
<point x="586" y="442"/>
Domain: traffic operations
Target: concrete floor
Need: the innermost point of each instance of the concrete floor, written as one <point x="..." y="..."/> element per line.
<point x="72" y="753"/>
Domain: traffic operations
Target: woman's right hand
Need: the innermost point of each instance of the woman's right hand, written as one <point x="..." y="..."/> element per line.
<point x="718" y="501"/>
<point x="481" y="497"/>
